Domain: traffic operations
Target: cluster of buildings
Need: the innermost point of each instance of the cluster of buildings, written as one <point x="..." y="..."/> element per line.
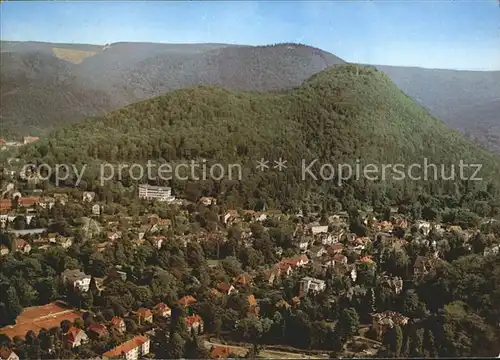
<point x="5" y="144"/>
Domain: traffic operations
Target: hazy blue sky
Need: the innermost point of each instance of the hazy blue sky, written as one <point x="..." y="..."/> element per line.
<point x="428" y="33"/>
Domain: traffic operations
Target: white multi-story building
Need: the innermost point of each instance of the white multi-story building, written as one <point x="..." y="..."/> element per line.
<point x="78" y="279"/>
<point x="131" y="350"/>
<point x="312" y="284"/>
<point x="160" y="193"/>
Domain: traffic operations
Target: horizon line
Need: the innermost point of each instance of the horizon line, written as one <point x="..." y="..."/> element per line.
<point x="246" y="45"/>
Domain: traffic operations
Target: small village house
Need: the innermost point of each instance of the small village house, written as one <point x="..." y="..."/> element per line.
<point x="77" y="278"/>
<point x="144" y="315"/>
<point x="133" y="349"/>
<point x="75" y="337"/>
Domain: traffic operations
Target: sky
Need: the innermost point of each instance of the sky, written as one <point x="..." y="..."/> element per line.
<point x="427" y="33"/>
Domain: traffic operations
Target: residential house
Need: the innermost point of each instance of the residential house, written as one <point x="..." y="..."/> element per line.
<point x="21" y="245"/>
<point x="492" y="250"/>
<point x="315" y="230"/>
<point x="340" y="259"/>
<point x="347" y="270"/>
<point x="30" y="139"/>
<point x="143" y="230"/>
<point x="384" y="226"/>
<point x="4" y="250"/>
<point x="28" y="201"/>
<point x="47" y="202"/>
<point x="284" y="269"/>
<point x="303" y="243"/>
<point x="220" y="352"/>
<point x="295" y="262"/>
<point x="335" y="249"/>
<point x="88" y="196"/>
<point x="230" y="217"/>
<point x="423" y="226"/>
<point x="144" y="315"/>
<point x="61" y="198"/>
<point x="5" y="205"/>
<point x="118" y="324"/>
<point x="51" y="237"/>
<point x="243" y="280"/>
<point x="327" y="261"/>
<point x="41" y="243"/>
<point x="400" y="222"/>
<point x="133" y="349"/>
<point x="7" y="354"/>
<point x="393" y="283"/>
<point x="75" y="337"/>
<point x="97" y="331"/>
<point x="311" y="284"/>
<point x="226" y="288"/>
<point x="64" y="242"/>
<point x="207" y="201"/>
<point x="333" y="238"/>
<point x="255" y="215"/>
<point x="162" y="310"/>
<point x="158" y="241"/>
<point x="386" y="320"/>
<point x="194" y="323"/>
<point x="278" y="251"/>
<point x="77" y="278"/>
<point x="114" y="235"/>
<point x="96" y="209"/>
<point x="270" y="275"/>
<point x="187" y="301"/>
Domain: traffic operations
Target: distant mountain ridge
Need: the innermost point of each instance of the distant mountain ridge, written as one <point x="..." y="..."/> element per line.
<point x="466" y="100"/>
<point x="45" y="85"/>
<point x="40" y="91"/>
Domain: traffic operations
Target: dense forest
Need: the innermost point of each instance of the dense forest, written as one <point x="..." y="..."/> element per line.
<point x="344" y="114"/>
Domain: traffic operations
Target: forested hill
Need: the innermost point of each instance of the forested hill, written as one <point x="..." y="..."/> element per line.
<point x="48" y="85"/>
<point x="342" y="114"/>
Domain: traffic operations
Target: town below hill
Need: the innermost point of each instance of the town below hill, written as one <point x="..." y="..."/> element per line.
<point x="85" y="277"/>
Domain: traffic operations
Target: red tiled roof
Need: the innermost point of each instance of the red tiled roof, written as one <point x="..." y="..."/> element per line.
<point x="29" y="200"/>
<point x="190" y="320"/>
<point x="243" y="279"/>
<point x="38" y="317"/>
<point x="219" y="352"/>
<point x="162" y="307"/>
<point x="125" y="347"/>
<point x="225" y="287"/>
<point x="5" y="204"/>
<point x="143" y="312"/>
<point x="98" y="329"/>
<point x="187" y="300"/>
<point x="116" y="321"/>
<point x="72" y="333"/>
